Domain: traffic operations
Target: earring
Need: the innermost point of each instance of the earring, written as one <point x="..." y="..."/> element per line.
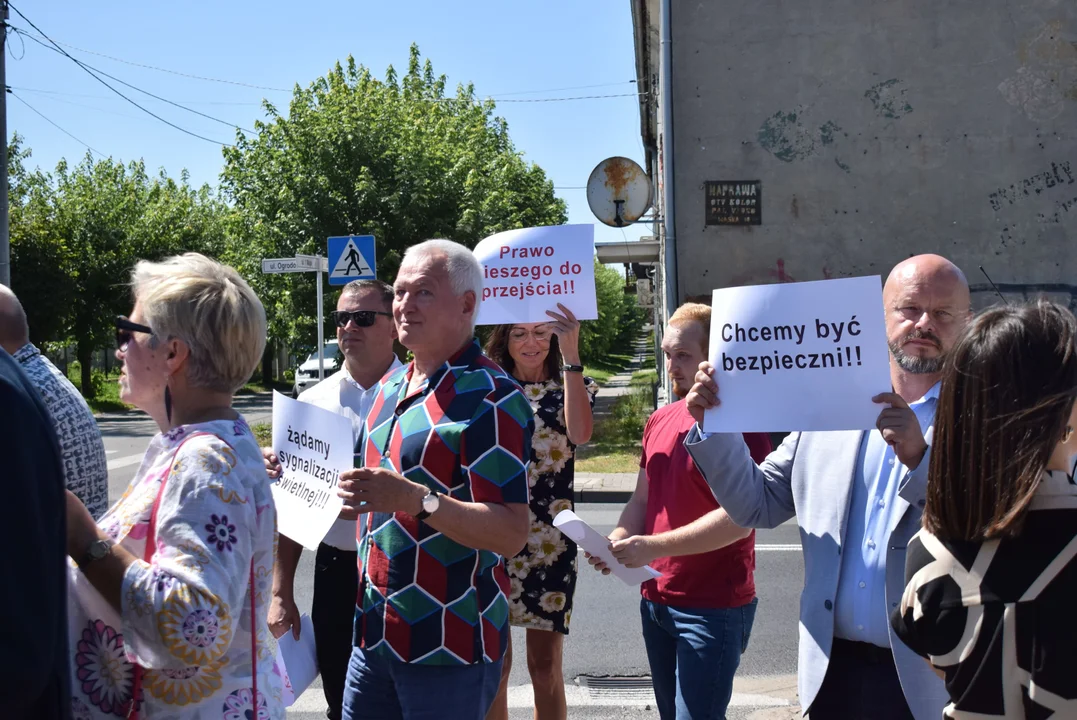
<point x="1068" y="435"/>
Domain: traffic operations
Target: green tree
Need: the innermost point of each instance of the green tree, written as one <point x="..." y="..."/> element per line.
<point x="395" y="158"/>
<point x="78" y="233"/>
<point x="38" y="258"/>
<point x="619" y="315"/>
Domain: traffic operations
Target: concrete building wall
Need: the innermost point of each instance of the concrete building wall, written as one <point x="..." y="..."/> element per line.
<point x="879" y="129"/>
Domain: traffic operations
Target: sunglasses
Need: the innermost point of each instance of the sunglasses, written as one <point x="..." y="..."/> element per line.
<point x="362" y="318"/>
<point x="124" y="328"/>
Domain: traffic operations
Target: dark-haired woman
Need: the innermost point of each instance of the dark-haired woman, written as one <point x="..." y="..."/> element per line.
<point x="545" y="359"/>
<point x="992" y="576"/>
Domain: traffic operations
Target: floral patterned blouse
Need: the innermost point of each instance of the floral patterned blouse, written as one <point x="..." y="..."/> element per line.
<point x="186" y="616"/>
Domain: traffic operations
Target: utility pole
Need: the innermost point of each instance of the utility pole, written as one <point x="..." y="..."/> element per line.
<point x="5" y="235"/>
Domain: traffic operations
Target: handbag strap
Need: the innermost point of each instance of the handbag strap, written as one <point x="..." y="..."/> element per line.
<point x="147" y="555"/>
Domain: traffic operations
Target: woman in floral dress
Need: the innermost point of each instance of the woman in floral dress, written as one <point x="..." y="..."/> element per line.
<point x="545" y="359"/>
<point x="168" y="593"/>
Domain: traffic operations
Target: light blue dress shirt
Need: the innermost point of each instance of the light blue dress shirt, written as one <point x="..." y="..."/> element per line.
<point x="860" y="611"/>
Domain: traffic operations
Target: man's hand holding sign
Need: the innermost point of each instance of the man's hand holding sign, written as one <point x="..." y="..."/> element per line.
<point x="785" y="364"/>
<point x="799" y="356"/>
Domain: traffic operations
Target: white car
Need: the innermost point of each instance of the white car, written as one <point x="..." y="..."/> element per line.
<point x="306" y="375"/>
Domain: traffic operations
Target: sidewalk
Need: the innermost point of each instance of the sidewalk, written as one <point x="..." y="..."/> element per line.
<point x="612" y="487"/>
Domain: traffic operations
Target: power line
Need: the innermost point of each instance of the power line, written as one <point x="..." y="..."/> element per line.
<point x="8" y="30"/>
<point x="145" y="92"/>
<point x="50" y="122"/>
<point x="106" y="97"/>
<point x="566" y="99"/>
<point x="164" y="70"/>
<point x="107" y="111"/>
<point x="98" y="79"/>
<point x="561" y="89"/>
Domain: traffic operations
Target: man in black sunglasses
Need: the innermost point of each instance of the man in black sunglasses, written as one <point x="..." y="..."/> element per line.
<point x="365" y="334"/>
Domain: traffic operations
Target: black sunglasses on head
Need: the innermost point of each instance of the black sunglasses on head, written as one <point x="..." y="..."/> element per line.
<point x="124" y="328"/>
<point x="362" y="318"/>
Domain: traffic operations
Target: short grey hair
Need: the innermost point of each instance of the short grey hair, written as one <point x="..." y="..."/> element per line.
<point x="211" y="308"/>
<point x="355" y="287"/>
<point x="465" y="270"/>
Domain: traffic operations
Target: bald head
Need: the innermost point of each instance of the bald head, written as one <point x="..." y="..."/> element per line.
<point x="927" y="306"/>
<point x="933" y="270"/>
<point x="14" y="332"/>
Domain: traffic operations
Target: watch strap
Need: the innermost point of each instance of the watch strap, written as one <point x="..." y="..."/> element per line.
<point x="572" y="368"/>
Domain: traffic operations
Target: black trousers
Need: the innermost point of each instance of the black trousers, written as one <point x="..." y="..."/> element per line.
<point x="336" y="583"/>
<point x="861" y="682"/>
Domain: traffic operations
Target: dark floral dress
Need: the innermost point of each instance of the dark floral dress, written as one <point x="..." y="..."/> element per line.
<point x="543" y="575"/>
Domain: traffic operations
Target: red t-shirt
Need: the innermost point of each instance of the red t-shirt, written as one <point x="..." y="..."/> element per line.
<point x="677" y="494"/>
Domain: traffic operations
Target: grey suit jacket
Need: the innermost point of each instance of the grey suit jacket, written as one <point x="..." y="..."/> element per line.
<point x="810" y="475"/>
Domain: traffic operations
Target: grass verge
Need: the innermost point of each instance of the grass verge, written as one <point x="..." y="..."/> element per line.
<point x="264" y="433"/>
<point x="614" y="362"/>
<point x="107" y="399"/>
<point x="614" y="445"/>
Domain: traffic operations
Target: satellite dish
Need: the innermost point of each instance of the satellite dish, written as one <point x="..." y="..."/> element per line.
<point x="618" y="191"/>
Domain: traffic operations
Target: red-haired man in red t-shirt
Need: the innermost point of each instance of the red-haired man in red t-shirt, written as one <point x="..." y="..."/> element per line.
<point x="698" y="615"/>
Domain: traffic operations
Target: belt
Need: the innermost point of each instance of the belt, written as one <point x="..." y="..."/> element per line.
<point x="863" y="652"/>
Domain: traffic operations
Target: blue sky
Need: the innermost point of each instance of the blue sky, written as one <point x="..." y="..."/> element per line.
<point x="507" y="49"/>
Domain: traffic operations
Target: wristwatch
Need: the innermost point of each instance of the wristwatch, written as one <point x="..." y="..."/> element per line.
<point x="97" y="550"/>
<point x="572" y="368"/>
<point x="430" y="505"/>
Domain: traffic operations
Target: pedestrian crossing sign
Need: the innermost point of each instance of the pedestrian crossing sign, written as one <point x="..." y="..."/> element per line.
<point x="351" y="257"/>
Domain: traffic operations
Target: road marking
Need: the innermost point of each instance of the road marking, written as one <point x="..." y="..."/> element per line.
<point x="124" y="461"/>
<point x="523" y="696"/>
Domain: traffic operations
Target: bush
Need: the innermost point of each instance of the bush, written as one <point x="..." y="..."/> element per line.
<point x="98" y="380"/>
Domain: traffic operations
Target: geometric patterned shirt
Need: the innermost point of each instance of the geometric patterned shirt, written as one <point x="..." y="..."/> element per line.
<point x="997" y="617"/>
<point x="466" y="432"/>
<point x="83" y="452"/>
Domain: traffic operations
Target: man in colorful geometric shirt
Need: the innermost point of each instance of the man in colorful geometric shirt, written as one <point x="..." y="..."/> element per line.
<point x="442" y="480"/>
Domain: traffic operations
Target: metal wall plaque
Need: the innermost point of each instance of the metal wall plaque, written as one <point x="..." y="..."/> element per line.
<point x="734" y="202"/>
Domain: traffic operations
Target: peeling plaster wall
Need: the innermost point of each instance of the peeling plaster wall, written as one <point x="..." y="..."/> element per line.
<point x="879" y="129"/>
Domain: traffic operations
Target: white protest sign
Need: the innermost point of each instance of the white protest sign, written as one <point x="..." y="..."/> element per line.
<point x="313" y="446"/>
<point x="799" y="356"/>
<point x="527" y="272"/>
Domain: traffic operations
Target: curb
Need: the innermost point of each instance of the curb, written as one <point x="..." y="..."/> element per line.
<point x="601" y="496"/>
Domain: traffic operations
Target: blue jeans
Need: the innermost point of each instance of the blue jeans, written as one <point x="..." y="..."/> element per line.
<point x="693" y="656"/>
<point x="379" y="688"/>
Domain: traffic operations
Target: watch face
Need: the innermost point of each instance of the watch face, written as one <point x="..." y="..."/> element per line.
<point x="97" y="550"/>
<point x="430" y="503"/>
